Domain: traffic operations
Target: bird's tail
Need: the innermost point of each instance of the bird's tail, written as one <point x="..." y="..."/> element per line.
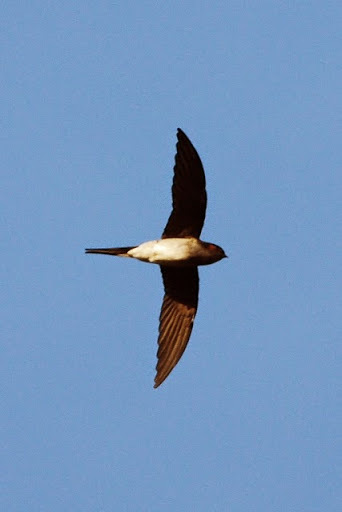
<point x="112" y="251"/>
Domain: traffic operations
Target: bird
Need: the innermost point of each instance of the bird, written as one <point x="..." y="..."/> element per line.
<point x="179" y="253"/>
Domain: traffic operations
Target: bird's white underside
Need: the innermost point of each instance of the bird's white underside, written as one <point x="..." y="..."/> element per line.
<point x="168" y="251"/>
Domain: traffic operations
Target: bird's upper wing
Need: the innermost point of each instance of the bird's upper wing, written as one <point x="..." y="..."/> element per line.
<point x="176" y="317"/>
<point x="189" y="197"/>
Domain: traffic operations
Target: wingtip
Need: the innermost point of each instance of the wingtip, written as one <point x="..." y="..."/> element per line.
<point x="159" y="379"/>
<point x="180" y="133"/>
<point x="157" y="382"/>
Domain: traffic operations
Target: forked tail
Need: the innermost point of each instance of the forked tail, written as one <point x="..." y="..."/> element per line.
<point x="112" y="251"/>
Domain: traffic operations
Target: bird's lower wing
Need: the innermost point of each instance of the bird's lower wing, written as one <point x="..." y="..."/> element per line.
<point x="176" y="317"/>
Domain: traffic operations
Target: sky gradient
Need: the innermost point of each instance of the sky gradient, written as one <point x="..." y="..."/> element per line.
<point x="91" y="97"/>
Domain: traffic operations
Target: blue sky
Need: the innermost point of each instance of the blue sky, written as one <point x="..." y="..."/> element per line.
<point x="91" y="96"/>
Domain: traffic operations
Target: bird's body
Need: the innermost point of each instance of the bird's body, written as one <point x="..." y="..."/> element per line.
<point x="171" y="252"/>
<point x="179" y="252"/>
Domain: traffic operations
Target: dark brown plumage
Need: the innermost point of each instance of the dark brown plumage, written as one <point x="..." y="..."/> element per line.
<point x="189" y="202"/>
<point x="179" y="252"/>
<point x="189" y="197"/>
<point x="176" y="317"/>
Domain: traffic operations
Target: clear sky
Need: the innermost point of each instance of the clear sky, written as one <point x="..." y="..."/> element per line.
<point x="91" y="96"/>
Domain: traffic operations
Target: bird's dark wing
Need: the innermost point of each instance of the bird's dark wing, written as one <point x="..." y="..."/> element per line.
<point x="189" y="197"/>
<point x="176" y="317"/>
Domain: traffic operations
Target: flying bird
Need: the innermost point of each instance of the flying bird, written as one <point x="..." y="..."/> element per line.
<point x="179" y="252"/>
